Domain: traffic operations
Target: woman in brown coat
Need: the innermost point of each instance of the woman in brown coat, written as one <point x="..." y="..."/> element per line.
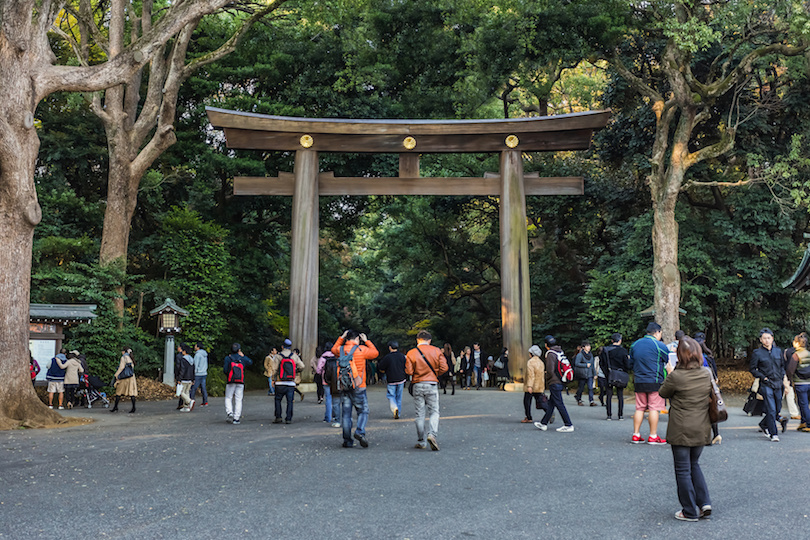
<point x="128" y="386"/>
<point x="535" y="383"/>
<point x="688" y="388"/>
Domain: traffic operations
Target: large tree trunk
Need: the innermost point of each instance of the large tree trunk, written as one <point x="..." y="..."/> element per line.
<point x="665" y="185"/>
<point x="19" y="214"/>
<point x="122" y="193"/>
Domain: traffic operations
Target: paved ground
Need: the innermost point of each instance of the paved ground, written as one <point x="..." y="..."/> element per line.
<point x="163" y="474"/>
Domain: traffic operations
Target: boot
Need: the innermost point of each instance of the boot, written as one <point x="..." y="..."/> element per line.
<point x="133" y="404"/>
<point x="115" y="407"/>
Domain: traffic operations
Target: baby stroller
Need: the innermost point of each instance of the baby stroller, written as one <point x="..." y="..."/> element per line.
<point x="90" y="391"/>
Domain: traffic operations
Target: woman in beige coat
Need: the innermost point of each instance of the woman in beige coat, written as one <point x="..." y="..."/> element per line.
<point x="688" y="388"/>
<point x="535" y="383"/>
<point x="128" y="386"/>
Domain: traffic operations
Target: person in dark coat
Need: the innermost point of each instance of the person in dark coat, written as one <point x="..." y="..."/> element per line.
<point x="502" y="373"/>
<point x="766" y="365"/>
<point x="688" y="387"/>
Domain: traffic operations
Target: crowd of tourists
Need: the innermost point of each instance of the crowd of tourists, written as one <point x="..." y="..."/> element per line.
<point x="683" y="372"/>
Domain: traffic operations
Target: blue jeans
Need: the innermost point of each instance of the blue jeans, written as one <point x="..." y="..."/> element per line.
<point x="478" y="375"/>
<point x="359" y="400"/>
<point x="270" y="382"/>
<point x="556" y="401"/>
<point x="802" y="393"/>
<point x="199" y="382"/>
<point x="773" y="406"/>
<point x="332" y="411"/>
<point x="692" y="491"/>
<point x="394" y="395"/>
<point x="283" y="391"/>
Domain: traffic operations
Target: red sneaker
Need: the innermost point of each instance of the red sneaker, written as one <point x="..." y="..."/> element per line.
<point x="656" y="440"/>
<point x="637" y="440"/>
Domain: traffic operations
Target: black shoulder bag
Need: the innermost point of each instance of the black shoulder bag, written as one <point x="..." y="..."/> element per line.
<point x="410" y="385"/>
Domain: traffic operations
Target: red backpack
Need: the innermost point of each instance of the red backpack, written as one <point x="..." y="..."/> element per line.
<point x="237" y="373"/>
<point x="286" y="369"/>
<point x="564" y="370"/>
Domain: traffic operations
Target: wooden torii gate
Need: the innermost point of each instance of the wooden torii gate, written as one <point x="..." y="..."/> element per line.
<point x="409" y="138"/>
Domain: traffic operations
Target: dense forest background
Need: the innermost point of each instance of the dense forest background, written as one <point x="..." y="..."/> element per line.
<point x="393" y="265"/>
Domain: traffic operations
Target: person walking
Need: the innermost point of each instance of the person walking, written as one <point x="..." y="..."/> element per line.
<point x="268" y="369"/>
<point x="200" y="373"/>
<point x="326" y="362"/>
<point x="614" y="358"/>
<point x="466" y="368"/>
<point x="766" y="365"/>
<point x="648" y="361"/>
<point x="234" y="368"/>
<point x="393" y="365"/>
<point x="185" y="376"/>
<point x="502" y="369"/>
<point x="125" y="383"/>
<point x="585" y="372"/>
<point x="688" y="388"/>
<point x="534" y="385"/>
<point x="554" y="354"/>
<point x="287" y="366"/>
<point x="425" y="364"/>
<point x="449" y="376"/>
<point x="479" y="365"/>
<point x="353" y="391"/>
<point x="798" y="374"/>
<point x="317" y="377"/>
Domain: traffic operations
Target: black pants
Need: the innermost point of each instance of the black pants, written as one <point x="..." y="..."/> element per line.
<point x="527" y="403"/>
<point x="608" y="398"/>
<point x="283" y="391"/>
<point x="319" y="385"/>
<point x="602" y="382"/>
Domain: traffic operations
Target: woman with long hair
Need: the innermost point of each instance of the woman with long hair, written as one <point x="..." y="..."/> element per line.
<point x="126" y="387"/>
<point x="688" y="387"/>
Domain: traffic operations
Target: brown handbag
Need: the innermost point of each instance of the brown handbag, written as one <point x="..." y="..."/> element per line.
<point x="717" y="407"/>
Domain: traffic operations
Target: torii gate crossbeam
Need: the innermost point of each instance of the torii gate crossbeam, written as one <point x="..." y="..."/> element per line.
<point x="410" y="138"/>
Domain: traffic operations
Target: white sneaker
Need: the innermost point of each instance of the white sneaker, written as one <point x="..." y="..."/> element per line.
<point x="61" y="408"/>
<point x="540" y="426"/>
<point x="184" y="409"/>
<point x="50" y="406"/>
<point x="191" y="405"/>
<point x="565" y="429"/>
<point x="335" y="424"/>
<point x="774" y="438"/>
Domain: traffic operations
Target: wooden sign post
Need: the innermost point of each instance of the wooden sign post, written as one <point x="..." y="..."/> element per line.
<point x="410" y="138"/>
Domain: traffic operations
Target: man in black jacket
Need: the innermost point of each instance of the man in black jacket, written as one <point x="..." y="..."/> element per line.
<point x="767" y="365"/>
<point x="393" y="365"/>
<point x="614" y="357"/>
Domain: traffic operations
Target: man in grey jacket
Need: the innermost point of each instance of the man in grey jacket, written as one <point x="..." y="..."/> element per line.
<point x="200" y="372"/>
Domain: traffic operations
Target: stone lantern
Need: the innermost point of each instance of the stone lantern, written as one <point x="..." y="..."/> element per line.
<point x="168" y="315"/>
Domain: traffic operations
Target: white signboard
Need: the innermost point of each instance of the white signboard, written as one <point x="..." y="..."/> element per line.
<point x="42" y="350"/>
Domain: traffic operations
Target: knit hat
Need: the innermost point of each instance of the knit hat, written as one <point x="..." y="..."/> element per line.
<point x="287" y="343"/>
<point x="534" y="350"/>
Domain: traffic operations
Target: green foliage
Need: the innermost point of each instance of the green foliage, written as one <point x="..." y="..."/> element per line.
<point x="103" y="339"/>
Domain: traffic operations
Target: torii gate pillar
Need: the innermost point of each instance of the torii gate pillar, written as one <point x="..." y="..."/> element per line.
<point x="516" y="312"/>
<point x="304" y="255"/>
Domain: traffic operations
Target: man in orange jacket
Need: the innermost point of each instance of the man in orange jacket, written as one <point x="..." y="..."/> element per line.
<point x="354" y="396"/>
<point x="425" y="364"/>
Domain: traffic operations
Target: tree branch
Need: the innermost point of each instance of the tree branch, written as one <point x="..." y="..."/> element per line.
<point x="635" y="81"/>
<point x="51" y="78"/>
